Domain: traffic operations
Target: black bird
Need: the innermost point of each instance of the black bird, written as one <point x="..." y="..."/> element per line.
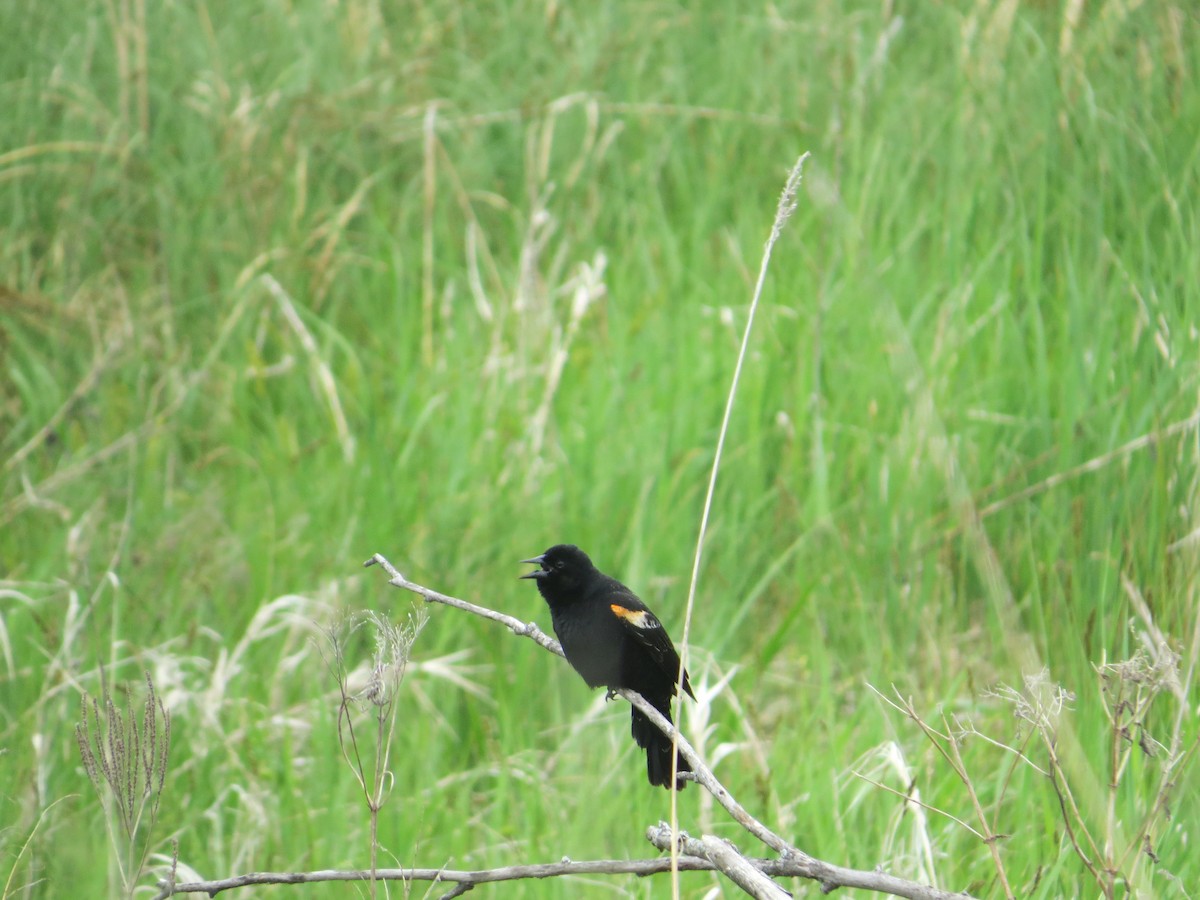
<point x="613" y="640"/>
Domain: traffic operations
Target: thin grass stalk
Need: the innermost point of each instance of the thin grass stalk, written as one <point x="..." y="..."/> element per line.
<point x="783" y="212"/>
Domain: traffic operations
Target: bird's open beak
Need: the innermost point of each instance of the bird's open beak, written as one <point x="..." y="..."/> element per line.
<point x="536" y="573"/>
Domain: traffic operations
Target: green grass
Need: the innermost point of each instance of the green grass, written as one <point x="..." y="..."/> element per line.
<point x="991" y="281"/>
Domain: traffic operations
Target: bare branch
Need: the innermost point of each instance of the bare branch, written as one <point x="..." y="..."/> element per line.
<point x="704" y="776"/>
<point x="693" y="858"/>
<point x="740" y="870"/>
<point x="566" y="867"/>
<point x="516" y="626"/>
<point x="828" y="875"/>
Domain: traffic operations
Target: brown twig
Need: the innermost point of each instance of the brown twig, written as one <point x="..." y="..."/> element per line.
<point x="992" y="839"/>
<point x="909" y="798"/>
<point x="947" y="745"/>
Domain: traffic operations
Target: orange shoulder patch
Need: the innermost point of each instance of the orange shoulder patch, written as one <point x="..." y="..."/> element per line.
<point x="635" y="617"/>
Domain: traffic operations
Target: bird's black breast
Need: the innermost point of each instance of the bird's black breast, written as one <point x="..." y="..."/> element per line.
<point x="593" y="641"/>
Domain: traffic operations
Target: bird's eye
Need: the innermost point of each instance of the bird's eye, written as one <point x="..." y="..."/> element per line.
<point x="559" y="564"/>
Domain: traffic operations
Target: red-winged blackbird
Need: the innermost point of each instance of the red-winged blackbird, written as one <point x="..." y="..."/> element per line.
<point x="613" y="640"/>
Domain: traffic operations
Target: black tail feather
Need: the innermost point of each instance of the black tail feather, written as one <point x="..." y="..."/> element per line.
<point x="658" y="749"/>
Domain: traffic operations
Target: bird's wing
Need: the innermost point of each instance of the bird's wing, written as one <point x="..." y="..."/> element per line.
<point x="649" y="632"/>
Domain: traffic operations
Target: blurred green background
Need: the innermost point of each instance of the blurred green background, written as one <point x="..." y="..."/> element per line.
<point x="285" y="284"/>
